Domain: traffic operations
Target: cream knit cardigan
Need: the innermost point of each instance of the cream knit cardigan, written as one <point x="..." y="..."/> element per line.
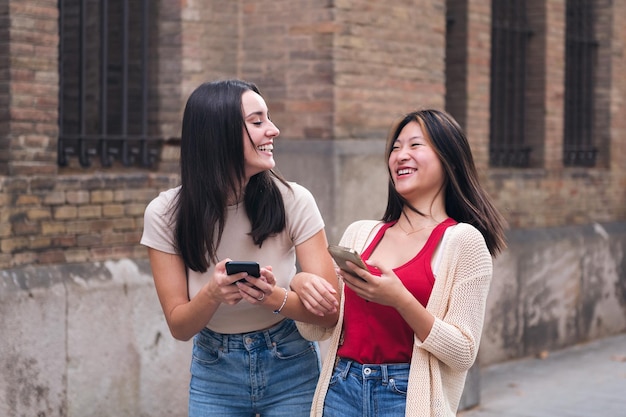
<point x="463" y="269"/>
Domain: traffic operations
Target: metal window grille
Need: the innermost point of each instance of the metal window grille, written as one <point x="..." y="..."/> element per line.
<point x="104" y="84"/>
<point x="510" y="35"/>
<point x="581" y="57"/>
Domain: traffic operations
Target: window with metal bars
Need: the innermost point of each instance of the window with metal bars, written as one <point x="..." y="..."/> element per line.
<point x="510" y="33"/>
<point x="581" y="50"/>
<point x="104" y="84"/>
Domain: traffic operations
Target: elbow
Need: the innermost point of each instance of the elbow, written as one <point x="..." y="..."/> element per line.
<point x="180" y="334"/>
<point x="182" y="337"/>
<point x="462" y="361"/>
<point x="329" y="320"/>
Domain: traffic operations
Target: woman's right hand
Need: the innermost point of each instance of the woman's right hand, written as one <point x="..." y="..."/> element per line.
<point x="222" y="288"/>
<point x="316" y="294"/>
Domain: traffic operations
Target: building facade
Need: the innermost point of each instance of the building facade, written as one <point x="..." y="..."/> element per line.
<point x="91" y="96"/>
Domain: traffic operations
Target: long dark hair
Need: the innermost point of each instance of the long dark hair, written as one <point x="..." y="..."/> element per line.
<point x="212" y="168"/>
<point x="465" y="199"/>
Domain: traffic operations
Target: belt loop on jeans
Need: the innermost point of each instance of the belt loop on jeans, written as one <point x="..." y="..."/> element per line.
<point x="224" y="346"/>
<point x="268" y="339"/>
<point x="384" y="374"/>
<point x="345" y="371"/>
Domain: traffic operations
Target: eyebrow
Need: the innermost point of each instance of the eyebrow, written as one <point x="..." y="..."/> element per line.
<point x="411" y="138"/>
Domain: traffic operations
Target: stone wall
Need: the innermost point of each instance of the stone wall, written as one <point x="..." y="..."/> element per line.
<point x="88" y="339"/>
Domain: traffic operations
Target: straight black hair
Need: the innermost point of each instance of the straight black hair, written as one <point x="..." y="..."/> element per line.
<point x="213" y="168"/>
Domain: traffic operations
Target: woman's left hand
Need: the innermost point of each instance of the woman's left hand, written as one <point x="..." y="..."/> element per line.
<point x="385" y="289"/>
<point x="255" y="290"/>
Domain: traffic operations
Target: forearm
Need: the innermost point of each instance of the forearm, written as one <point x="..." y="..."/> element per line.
<point x="416" y="315"/>
<point x="294" y="309"/>
<point x="186" y="320"/>
<point x="298" y="312"/>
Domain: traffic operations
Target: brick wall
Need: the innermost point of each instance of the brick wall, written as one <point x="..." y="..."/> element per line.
<point x="74" y="218"/>
<point x="51" y="215"/>
<point x="549" y="194"/>
<point x="30" y="80"/>
<point x="389" y="60"/>
<point x="330" y="71"/>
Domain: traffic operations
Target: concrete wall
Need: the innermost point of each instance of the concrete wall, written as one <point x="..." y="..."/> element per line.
<point x="554" y="288"/>
<point x="88" y="340"/>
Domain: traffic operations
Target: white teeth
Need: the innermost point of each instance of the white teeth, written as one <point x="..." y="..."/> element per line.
<point x="405" y="171"/>
<point x="266" y="148"/>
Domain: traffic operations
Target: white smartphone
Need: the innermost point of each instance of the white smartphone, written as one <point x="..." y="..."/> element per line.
<point x="341" y="254"/>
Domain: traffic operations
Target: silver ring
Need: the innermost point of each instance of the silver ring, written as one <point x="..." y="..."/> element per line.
<point x="262" y="297"/>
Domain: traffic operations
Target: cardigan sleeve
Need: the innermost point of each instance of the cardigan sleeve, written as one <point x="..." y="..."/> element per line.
<point x="459" y="299"/>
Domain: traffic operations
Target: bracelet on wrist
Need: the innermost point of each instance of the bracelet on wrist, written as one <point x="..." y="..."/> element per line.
<point x="278" y="310"/>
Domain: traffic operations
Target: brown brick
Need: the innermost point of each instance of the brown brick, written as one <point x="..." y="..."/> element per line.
<point x="90" y="240"/>
<point x="65" y="212"/>
<point x="89" y="212"/>
<point x="77" y="197"/>
<point x="5" y="229"/>
<point x="113" y="210"/>
<point x="40" y="242"/>
<point x="55" y="198"/>
<point x="25" y="227"/>
<point x="52" y="228"/>
<point x="39" y="213"/>
<point x="77" y="255"/>
<point x="101" y="196"/>
<point x="78" y="227"/>
<point x="13" y="244"/>
<point x="27" y="200"/>
<point x="53" y="256"/>
<point x="125" y="224"/>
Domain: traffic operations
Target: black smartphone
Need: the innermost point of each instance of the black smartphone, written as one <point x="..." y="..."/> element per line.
<point x="251" y="267"/>
<point x="342" y="254"/>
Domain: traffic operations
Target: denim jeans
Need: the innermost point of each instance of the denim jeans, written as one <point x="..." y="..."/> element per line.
<point x="367" y="390"/>
<point x="271" y="372"/>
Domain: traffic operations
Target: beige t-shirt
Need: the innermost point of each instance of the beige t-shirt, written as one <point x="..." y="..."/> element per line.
<point x="303" y="220"/>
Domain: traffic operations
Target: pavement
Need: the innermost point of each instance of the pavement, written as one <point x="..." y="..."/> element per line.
<point x="586" y="380"/>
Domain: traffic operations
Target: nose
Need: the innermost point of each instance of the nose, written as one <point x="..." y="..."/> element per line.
<point x="273" y="130"/>
<point x="403" y="154"/>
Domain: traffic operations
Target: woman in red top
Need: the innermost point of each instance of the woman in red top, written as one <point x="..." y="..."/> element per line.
<point x="409" y="328"/>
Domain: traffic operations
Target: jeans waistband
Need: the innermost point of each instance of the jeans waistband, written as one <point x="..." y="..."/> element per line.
<point x="383" y="372"/>
<point x="247" y="341"/>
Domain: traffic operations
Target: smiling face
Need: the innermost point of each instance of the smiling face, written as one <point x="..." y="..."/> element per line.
<point x="415" y="168"/>
<point x="258" y="135"/>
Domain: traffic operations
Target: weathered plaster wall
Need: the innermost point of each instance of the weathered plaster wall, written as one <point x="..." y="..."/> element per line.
<point x="88" y="340"/>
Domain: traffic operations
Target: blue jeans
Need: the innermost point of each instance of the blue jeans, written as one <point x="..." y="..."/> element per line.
<point x="271" y="372"/>
<point x="367" y="390"/>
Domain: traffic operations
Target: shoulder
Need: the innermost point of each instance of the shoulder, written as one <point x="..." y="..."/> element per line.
<point x="358" y="233"/>
<point x="293" y="187"/>
<point x="294" y="193"/>
<point x="465" y="233"/>
<point x="361" y="225"/>
<point x="464" y="243"/>
<point x="163" y="203"/>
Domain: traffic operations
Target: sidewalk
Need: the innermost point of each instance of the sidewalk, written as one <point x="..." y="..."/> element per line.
<point x="587" y="380"/>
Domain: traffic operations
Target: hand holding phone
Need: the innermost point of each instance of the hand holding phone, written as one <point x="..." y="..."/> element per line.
<point x="342" y="254"/>
<point x="235" y="267"/>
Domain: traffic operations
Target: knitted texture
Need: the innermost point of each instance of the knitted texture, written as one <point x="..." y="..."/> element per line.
<point x="439" y="363"/>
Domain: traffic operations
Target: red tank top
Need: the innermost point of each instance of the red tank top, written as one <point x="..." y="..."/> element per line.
<point x="377" y="334"/>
